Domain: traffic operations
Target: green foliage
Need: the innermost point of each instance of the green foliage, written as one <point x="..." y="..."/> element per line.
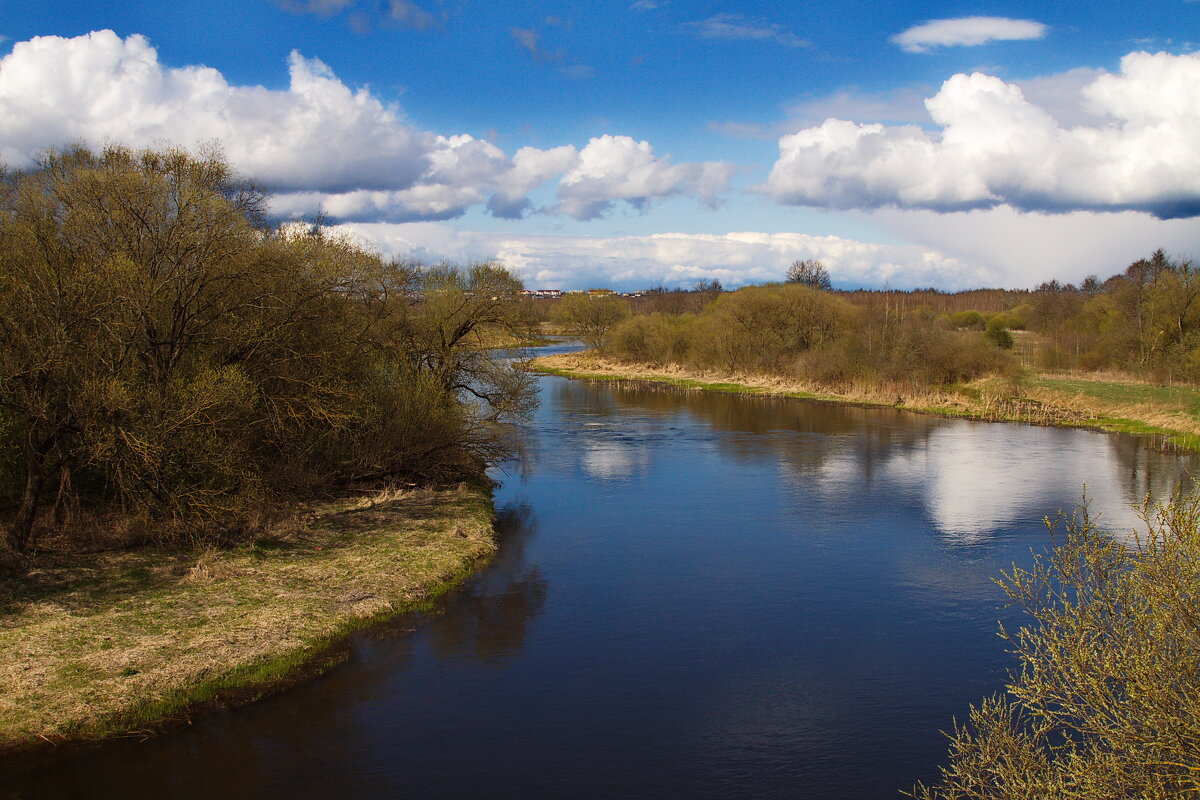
<point x="965" y="320"/>
<point x="1106" y="703"/>
<point x="163" y="354"/>
<point x="998" y="335"/>
<point x="1010" y="320"/>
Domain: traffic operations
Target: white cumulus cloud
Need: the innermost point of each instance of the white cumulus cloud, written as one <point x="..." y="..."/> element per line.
<point x="316" y="135"/>
<point x="618" y="168"/>
<point x="462" y="172"/>
<point x="995" y="147"/>
<point x="966" y="32"/>
<point x="319" y="144"/>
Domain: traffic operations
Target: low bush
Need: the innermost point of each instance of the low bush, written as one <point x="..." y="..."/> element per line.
<point x="799" y="332"/>
<point x="1106" y="701"/>
<point x="965" y="320"/>
<point x="998" y="335"/>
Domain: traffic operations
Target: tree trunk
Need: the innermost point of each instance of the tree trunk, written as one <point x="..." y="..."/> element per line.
<point x="65" y="504"/>
<point x="21" y="534"/>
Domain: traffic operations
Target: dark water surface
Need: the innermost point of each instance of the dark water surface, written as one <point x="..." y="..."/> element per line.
<point x="697" y="596"/>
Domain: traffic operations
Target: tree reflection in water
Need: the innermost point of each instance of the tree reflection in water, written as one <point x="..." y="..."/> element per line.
<point x="488" y="618"/>
<point x="972" y="478"/>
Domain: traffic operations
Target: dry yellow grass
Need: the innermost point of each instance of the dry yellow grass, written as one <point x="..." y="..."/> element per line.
<point x="588" y="364"/>
<point x="132" y="638"/>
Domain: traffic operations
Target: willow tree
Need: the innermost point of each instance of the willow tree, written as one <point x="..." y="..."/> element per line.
<point x="164" y="353"/>
<point x="114" y="267"/>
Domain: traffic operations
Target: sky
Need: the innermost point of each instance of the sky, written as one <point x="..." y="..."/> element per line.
<point x="636" y="143"/>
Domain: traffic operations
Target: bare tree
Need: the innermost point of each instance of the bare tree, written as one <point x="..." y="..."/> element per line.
<point x="809" y="272"/>
<point x="590" y="318"/>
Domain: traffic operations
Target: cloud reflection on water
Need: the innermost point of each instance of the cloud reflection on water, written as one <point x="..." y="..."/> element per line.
<point x="612" y="461"/>
<point x="978" y="478"/>
<point x="973" y="479"/>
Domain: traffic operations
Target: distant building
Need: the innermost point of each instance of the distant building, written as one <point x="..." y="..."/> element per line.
<point x="599" y="292"/>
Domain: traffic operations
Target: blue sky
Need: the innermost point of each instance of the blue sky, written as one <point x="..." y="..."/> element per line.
<point x="652" y="141"/>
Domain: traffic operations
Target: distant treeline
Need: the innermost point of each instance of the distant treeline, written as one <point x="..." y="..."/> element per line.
<point x="989" y="301"/>
<point x="1144" y="320"/>
<point x="171" y="365"/>
<point x="796" y="331"/>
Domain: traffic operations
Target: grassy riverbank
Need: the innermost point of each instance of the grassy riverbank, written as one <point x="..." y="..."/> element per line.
<point x="111" y="643"/>
<point x="1170" y="414"/>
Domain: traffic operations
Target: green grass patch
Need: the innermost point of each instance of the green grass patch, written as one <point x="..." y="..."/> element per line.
<point x="1179" y="398"/>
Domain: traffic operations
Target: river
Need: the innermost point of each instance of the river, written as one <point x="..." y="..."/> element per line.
<point x="697" y="596"/>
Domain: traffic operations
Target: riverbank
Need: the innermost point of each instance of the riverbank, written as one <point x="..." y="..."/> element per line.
<point x="120" y="642"/>
<point x="1171" y="415"/>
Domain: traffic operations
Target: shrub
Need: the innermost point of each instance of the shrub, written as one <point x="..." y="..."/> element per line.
<point x="767" y="327"/>
<point x="965" y="320"/>
<point x="1106" y="702"/>
<point x="590" y="317"/>
<point x="653" y="339"/>
<point x="997" y="335"/>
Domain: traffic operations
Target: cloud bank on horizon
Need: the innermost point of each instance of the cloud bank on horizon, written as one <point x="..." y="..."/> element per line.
<point x="675" y="259"/>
